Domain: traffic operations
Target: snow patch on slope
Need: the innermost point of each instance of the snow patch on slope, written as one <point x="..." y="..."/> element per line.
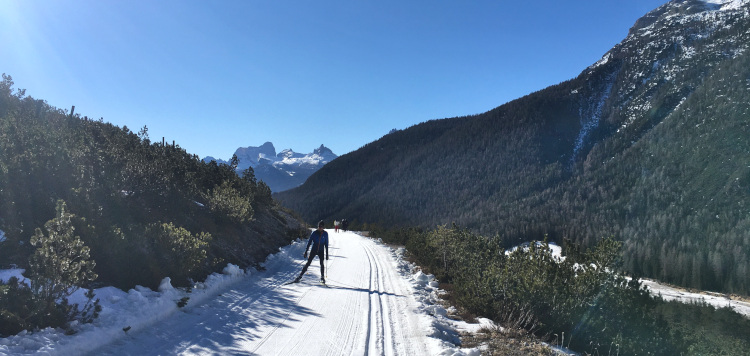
<point x="591" y="114"/>
<point x="7" y="274"/>
<point x="726" y="4"/>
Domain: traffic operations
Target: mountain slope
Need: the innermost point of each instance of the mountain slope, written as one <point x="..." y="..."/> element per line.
<point x="650" y="145"/>
<point x="146" y="211"/>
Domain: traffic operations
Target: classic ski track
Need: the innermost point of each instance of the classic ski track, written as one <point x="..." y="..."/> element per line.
<point x="370" y="320"/>
<point x="391" y="295"/>
<point x="382" y="321"/>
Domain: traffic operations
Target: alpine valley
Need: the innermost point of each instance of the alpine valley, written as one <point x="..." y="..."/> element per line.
<point x="281" y="171"/>
<point x="649" y="145"/>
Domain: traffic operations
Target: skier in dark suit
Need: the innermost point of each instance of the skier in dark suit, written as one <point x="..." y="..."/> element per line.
<point x="344" y="225"/>
<point x="319" y="240"/>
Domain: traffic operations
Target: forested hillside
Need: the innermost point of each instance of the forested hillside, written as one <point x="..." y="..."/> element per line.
<point x="650" y="145"/>
<point x="146" y="210"/>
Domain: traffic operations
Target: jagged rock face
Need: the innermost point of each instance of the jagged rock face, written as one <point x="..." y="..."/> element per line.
<point x="252" y="156"/>
<point x="281" y="171"/>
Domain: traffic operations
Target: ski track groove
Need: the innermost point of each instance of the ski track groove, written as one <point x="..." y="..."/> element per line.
<point x="370" y="320"/>
<point x="382" y="330"/>
<point x="385" y="307"/>
<point x="390" y="296"/>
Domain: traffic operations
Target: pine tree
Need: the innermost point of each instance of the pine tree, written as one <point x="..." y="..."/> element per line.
<point x="61" y="262"/>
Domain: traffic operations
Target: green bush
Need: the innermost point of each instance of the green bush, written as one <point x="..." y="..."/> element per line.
<point x="15" y="308"/>
<point x="225" y="200"/>
<point x="582" y="301"/>
<point x="180" y="251"/>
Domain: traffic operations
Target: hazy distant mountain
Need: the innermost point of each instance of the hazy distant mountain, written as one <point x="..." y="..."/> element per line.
<point x="651" y="144"/>
<point x="281" y="171"/>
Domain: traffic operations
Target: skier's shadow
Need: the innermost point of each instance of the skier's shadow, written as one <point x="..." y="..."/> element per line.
<point x="339" y="285"/>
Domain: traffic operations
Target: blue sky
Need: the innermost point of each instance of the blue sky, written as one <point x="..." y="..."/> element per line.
<point x="217" y="75"/>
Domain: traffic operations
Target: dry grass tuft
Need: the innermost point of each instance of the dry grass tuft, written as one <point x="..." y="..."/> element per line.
<point x="505" y="343"/>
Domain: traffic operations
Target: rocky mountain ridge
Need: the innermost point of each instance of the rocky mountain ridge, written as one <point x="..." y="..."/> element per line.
<point x="282" y="171"/>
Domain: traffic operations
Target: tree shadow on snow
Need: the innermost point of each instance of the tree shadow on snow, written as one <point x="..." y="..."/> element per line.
<point x="241" y="319"/>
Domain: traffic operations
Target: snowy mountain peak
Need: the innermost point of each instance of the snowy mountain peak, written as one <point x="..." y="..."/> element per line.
<point x="281" y="171"/>
<point x="324" y="152"/>
<point x="250" y="156"/>
<point x="685" y="9"/>
<point x="288" y="153"/>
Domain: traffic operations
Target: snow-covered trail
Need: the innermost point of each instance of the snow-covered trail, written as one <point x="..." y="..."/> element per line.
<point x="368" y="308"/>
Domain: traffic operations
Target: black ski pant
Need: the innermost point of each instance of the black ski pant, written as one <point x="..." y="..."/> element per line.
<point x="309" y="261"/>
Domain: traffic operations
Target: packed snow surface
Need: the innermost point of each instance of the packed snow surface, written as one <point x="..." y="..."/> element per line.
<point x="375" y="303"/>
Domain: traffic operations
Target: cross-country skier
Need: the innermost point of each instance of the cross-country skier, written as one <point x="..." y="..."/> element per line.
<point x="344" y="225"/>
<point x="318" y="240"/>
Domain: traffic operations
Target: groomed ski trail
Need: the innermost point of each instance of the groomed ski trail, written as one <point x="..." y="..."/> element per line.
<point x="367" y="308"/>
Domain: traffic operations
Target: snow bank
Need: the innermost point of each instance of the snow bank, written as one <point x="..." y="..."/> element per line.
<point x="555" y="249"/>
<point x="440" y="328"/>
<point x="122" y="313"/>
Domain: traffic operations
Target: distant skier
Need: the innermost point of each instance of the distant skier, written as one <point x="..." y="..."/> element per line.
<point x="344" y="224"/>
<point x="318" y="239"/>
<point x="336" y="225"/>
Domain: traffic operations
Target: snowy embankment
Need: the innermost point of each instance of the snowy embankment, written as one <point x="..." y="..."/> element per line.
<point x="134" y="310"/>
<point x="375" y="303"/>
<point x="714" y="299"/>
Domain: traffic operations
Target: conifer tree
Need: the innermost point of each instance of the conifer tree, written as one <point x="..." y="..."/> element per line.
<point x="61" y="262"/>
